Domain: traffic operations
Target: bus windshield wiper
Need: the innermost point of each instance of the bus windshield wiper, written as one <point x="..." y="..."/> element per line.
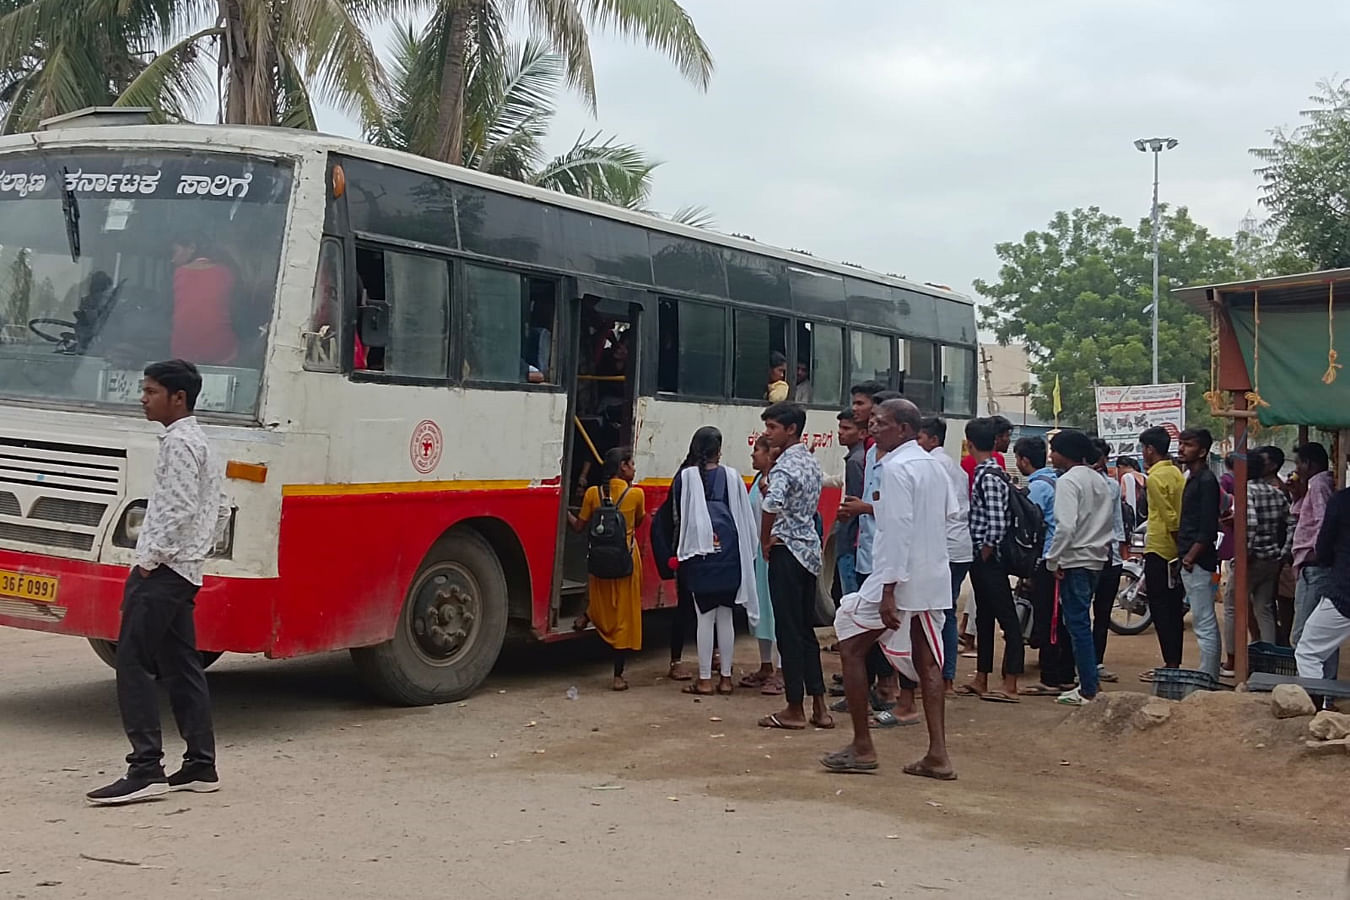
<point x="70" y="210"/>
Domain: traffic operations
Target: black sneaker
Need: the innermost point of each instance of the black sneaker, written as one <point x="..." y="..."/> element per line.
<point x="132" y="789"/>
<point x="195" y="777"/>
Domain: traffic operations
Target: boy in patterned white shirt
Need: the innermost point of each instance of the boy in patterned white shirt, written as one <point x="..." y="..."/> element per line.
<point x="184" y="518"/>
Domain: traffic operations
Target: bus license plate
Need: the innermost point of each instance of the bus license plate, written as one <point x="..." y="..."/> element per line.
<point x="38" y="588"/>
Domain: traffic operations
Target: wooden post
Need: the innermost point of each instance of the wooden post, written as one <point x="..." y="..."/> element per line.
<point x="1338" y="448"/>
<point x="1241" y="594"/>
<point x="1302" y="435"/>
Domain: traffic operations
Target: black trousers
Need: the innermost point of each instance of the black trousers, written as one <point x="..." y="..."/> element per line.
<point x="994" y="603"/>
<point x="793" y="592"/>
<point x="158" y="638"/>
<point x="1108" y="585"/>
<point x="1049" y="634"/>
<point x="683" y="622"/>
<point x="1165" y="603"/>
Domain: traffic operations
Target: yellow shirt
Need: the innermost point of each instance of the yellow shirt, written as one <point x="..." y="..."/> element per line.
<point x="1165" y="483"/>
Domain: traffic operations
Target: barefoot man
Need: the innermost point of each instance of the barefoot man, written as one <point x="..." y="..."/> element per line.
<point x="905" y="602"/>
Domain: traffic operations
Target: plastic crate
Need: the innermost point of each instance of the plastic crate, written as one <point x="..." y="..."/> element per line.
<point x="1178" y="684"/>
<point x="1263" y="656"/>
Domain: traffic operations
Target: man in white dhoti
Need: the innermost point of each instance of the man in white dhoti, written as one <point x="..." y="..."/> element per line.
<point x="904" y="603"/>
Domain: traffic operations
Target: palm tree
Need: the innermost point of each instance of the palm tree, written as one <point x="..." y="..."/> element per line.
<point x="506" y="120"/>
<point x="462" y="33"/>
<point x="272" y="57"/>
<point x="53" y="62"/>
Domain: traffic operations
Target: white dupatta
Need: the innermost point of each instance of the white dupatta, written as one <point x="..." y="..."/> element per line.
<point x="696" y="530"/>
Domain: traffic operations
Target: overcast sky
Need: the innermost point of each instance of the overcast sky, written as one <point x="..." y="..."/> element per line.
<point x="910" y="137"/>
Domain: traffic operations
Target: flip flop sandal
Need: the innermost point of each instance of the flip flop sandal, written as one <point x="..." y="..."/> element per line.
<point x="966" y="690"/>
<point x="845" y="763"/>
<point x="879" y="705"/>
<point x="726" y="691"/>
<point x="620" y="687"/>
<point x="693" y="689"/>
<point x="775" y="722"/>
<point x="889" y="719"/>
<point x="754" y="679"/>
<point x="823" y="726"/>
<point x="1039" y="690"/>
<point x="1146" y="677"/>
<point x="679" y="673"/>
<point x="773" y="687"/>
<point x="923" y="771"/>
<point x="999" y="697"/>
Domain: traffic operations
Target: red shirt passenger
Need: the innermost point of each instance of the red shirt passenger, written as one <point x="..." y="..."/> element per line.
<point x="203" y="332"/>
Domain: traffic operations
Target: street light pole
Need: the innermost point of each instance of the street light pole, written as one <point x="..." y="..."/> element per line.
<point x="1157" y="146"/>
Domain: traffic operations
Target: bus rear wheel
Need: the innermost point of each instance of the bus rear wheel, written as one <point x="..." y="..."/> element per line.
<point x="107" y="651"/>
<point x="450" y="630"/>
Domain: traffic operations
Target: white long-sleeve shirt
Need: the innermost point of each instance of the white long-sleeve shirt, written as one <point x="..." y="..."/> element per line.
<point x="959" y="548"/>
<point x="1085" y="521"/>
<point x="187" y="511"/>
<point x="909" y="548"/>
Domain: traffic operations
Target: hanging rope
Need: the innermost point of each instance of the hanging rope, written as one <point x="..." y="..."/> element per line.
<point x="1332" y="365"/>
<point x="1216" y="398"/>
<point x="1254" y="395"/>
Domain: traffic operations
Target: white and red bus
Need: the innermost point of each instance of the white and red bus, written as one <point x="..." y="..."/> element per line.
<point x="420" y="366"/>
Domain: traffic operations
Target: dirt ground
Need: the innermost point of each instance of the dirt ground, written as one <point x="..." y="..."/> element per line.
<point x="651" y="793"/>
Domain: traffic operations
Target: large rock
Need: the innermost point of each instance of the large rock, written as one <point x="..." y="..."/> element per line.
<point x="1289" y="701"/>
<point x="1152" y="714"/>
<point x="1329" y="726"/>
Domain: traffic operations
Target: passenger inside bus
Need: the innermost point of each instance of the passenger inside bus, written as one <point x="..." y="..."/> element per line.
<point x="777" y="390"/>
<point x="803" y="394"/>
<point x="203" y="327"/>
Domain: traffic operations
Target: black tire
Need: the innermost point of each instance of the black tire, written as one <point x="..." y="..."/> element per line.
<point x="107" y="651"/>
<point x="450" y="630"/>
<point x="1122" y="621"/>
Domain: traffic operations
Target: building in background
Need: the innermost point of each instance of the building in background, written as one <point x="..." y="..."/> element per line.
<point x="1006" y="388"/>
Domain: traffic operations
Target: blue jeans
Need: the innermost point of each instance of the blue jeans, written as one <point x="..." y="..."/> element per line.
<point x="1311" y="587"/>
<point x="1199" y="584"/>
<point x="1075" y="604"/>
<point x="950" y="639"/>
<point x="846" y="564"/>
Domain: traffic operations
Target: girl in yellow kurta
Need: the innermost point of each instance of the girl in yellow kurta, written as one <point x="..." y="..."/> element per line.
<point x="615" y="604"/>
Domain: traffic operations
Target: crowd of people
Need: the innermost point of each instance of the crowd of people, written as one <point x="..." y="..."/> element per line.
<point x="914" y="523"/>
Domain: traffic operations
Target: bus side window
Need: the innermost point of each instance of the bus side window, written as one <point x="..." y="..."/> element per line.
<point x="820" y="348"/>
<point x="417" y="290"/>
<point x="691" y="352"/>
<point x="958" y="381"/>
<point x="921" y="368"/>
<point x="509" y="326"/>
<point x="870" y="359"/>
<point x="760" y="365"/>
<point x="323" y="335"/>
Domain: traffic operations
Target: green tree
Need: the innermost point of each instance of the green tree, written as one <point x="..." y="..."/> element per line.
<point x="53" y="61"/>
<point x="507" y="119"/>
<point x="466" y="33"/>
<point x="1305" y="175"/>
<point x="1075" y="295"/>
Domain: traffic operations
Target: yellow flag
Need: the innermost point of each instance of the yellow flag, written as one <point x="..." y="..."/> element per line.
<point x="1059" y="405"/>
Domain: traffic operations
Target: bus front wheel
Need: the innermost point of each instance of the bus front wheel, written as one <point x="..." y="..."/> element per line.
<point x="107" y="651"/>
<point x="450" y="630"/>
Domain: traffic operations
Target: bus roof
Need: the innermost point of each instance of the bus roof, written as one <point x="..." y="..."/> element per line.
<point x="290" y="142"/>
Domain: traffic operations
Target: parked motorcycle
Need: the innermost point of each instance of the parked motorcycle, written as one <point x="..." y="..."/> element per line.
<point x="1130" y="614"/>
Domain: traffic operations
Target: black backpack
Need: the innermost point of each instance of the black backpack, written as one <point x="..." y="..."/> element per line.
<point x="719" y="571"/>
<point x="608" y="554"/>
<point x="663" y="537"/>
<point x="1024" y="540"/>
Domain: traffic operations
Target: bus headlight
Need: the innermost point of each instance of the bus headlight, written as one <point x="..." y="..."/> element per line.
<point x="129" y="526"/>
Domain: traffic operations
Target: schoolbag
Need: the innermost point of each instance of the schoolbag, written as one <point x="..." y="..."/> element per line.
<point x="608" y="554"/>
<point x="662" y="537"/>
<point x="1025" y="537"/>
<point x="719" y="571"/>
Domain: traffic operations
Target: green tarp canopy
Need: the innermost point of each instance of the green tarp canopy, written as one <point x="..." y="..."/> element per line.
<point x="1292" y="347"/>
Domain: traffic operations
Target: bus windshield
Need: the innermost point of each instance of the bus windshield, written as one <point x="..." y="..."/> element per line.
<point x="111" y="260"/>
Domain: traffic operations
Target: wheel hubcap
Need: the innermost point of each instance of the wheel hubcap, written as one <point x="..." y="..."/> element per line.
<point x="445" y="613"/>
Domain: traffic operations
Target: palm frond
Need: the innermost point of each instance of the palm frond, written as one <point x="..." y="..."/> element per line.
<point x="174" y="81"/>
<point x="514" y="116"/>
<point x="695" y="216"/>
<point x="338" y="58"/>
<point x="608" y="171"/>
<point x="661" y="24"/>
<point x="295" y="109"/>
<point x="560" y="23"/>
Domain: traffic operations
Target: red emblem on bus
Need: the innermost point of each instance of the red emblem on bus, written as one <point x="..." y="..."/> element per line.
<point x="425" y="447"/>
